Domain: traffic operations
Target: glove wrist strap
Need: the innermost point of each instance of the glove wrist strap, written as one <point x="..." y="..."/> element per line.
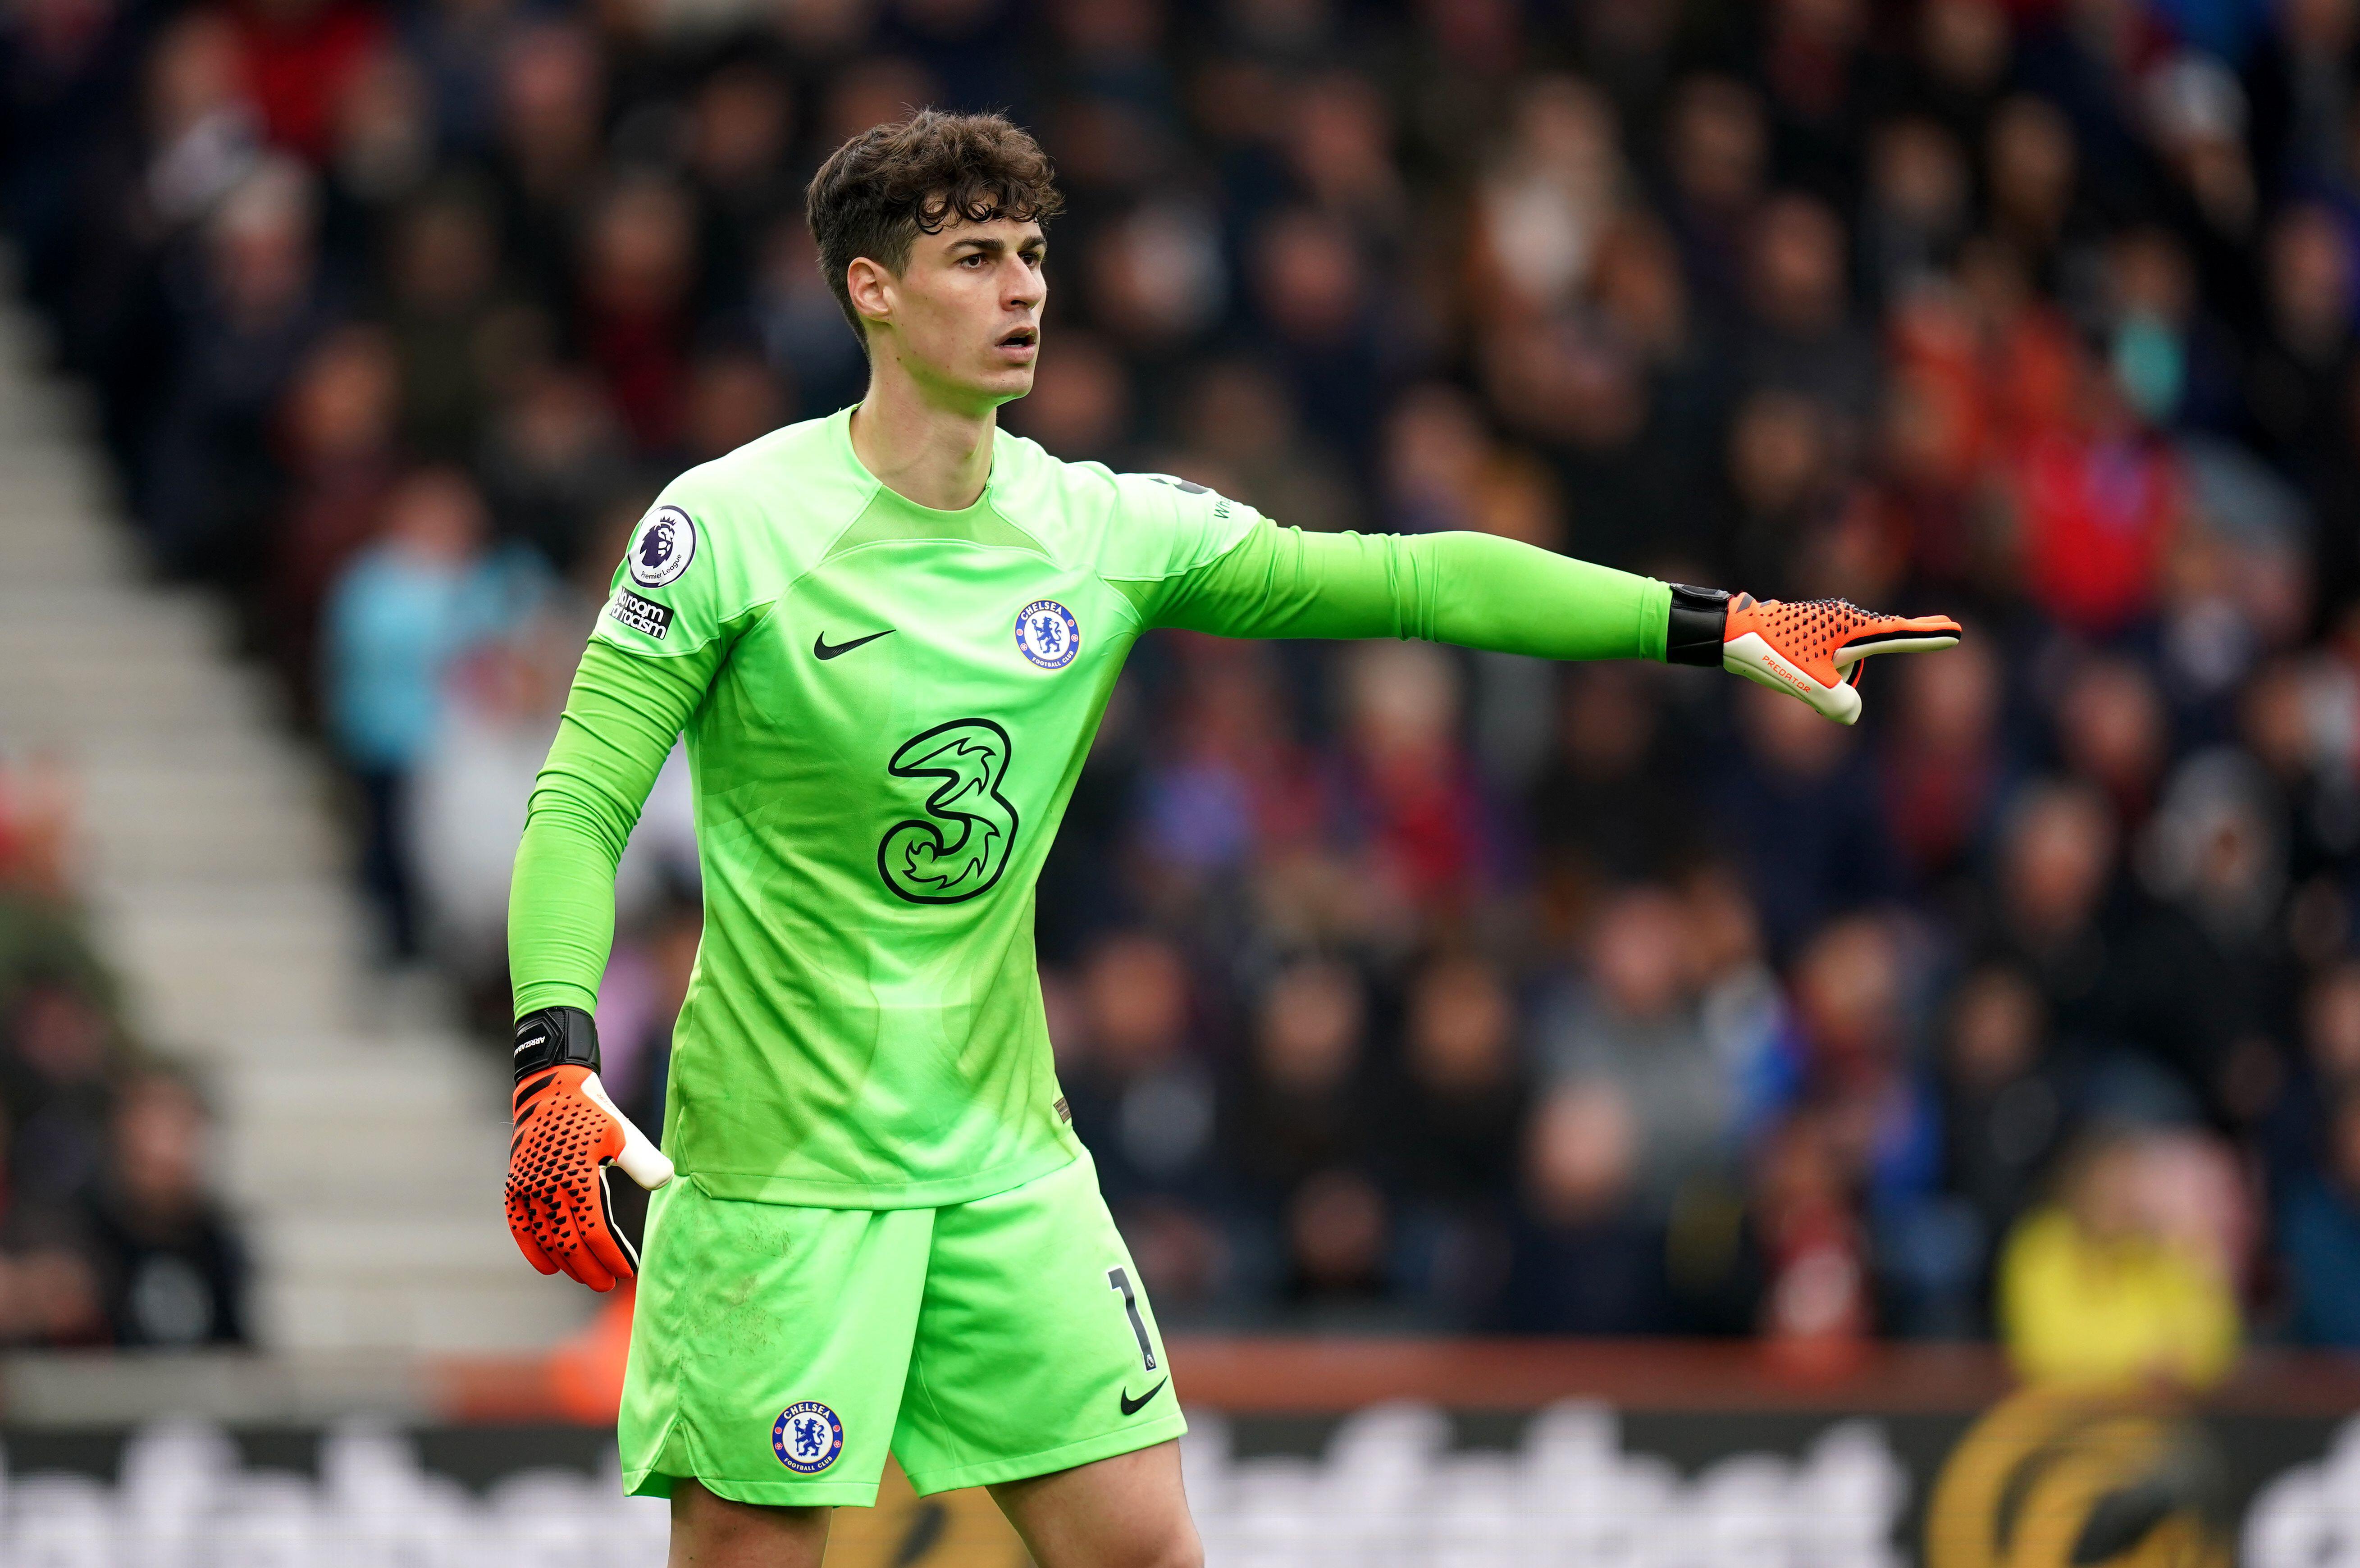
<point x="1699" y="621"/>
<point x="556" y="1037"/>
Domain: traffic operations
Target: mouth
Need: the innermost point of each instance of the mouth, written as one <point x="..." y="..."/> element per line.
<point x="1021" y="340"/>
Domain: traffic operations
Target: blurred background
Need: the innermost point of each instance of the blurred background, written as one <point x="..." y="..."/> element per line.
<point x="1408" y="998"/>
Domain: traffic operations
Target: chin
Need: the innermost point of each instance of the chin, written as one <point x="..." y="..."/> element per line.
<point x="1007" y="385"/>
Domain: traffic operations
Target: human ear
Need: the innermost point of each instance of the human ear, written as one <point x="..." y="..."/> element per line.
<point x="871" y="289"/>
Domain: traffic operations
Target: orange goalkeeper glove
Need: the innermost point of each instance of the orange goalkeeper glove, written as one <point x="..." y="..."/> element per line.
<point x="1812" y="649"/>
<point x="567" y="1132"/>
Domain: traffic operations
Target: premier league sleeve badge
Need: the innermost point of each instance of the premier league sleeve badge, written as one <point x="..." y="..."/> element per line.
<point x="663" y="548"/>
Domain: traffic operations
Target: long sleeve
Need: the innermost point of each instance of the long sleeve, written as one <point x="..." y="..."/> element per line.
<point x="1471" y="589"/>
<point x="621" y="717"/>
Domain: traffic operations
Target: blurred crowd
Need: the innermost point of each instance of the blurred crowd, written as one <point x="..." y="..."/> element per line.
<point x="1393" y="985"/>
<point x="108" y="1233"/>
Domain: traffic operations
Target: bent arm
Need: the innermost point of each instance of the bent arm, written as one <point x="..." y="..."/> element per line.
<point x="621" y="720"/>
<point x="1471" y="589"/>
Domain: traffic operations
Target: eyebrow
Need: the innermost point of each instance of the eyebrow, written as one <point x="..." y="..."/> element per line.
<point x="994" y="245"/>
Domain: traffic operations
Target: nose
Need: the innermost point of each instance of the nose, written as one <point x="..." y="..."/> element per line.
<point x="1026" y="287"/>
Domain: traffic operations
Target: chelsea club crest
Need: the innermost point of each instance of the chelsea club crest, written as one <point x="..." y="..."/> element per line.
<point x="807" y="1437"/>
<point x="1047" y="634"/>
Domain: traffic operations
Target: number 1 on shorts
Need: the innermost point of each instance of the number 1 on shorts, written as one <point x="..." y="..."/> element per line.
<point x="1118" y="1281"/>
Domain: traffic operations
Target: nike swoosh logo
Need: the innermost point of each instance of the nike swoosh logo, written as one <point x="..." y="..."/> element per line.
<point x="821" y="648"/>
<point x="1132" y="1407"/>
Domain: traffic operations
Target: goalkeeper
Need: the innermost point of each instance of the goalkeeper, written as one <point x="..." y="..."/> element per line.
<point x="889" y="636"/>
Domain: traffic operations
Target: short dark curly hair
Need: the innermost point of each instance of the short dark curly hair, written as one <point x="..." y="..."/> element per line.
<point x="879" y="191"/>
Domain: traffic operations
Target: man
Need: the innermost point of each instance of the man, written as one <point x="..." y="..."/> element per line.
<point x="888" y="634"/>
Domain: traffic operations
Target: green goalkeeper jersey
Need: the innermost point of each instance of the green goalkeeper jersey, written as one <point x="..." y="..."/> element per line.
<point x="886" y="708"/>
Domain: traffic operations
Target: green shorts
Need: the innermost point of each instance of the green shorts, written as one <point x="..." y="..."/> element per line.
<point x="778" y="1354"/>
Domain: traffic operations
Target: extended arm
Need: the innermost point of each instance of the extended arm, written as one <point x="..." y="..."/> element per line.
<point x="1465" y="588"/>
<point x="621" y="720"/>
<point x="1481" y="591"/>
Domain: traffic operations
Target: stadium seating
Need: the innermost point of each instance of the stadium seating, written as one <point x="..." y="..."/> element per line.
<point x="363" y="1141"/>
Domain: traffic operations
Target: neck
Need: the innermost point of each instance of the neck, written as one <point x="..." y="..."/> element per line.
<point x="925" y="447"/>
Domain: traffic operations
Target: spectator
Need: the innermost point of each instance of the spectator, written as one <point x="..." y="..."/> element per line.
<point x="1716" y="151"/>
<point x="1917" y="205"/>
<point x="36" y="826"/>
<point x="1583" y="1259"/>
<point x="1804" y="339"/>
<point x="444" y="276"/>
<point x="2295" y="385"/>
<point x="1155" y="281"/>
<point x="1244" y="422"/>
<point x="548" y="158"/>
<point x="2048" y="911"/>
<point x="2112" y="731"/>
<point x="1816" y="67"/>
<point x="1544" y="205"/>
<point x="1143" y="1100"/>
<point x="1313" y="293"/>
<point x="741" y="122"/>
<point x="1461" y="1095"/>
<point x="2296" y="1139"/>
<point x="2031" y="151"/>
<point x="2206" y="979"/>
<point x="303" y="57"/>
<point x="2099" y="499"/>
<point x="381" y="156"/>
<point x="1228" y="780"/>
<point x="245" y="321"/>
<point x="554" y="461"/>
<point x="1602" y="809"/>
<point x="2093" y="1289"/>
<point x="396" y="620"/>
<point x="1302" y="1106"/>
<point x="1408" y="793"/>
<point x="733" y="398"/>
<point x="1141" y="1095"/>
<point x="2168" y="358"/>
<point x="638" y="270"/>
<point x="2299" y="112"/>
<point x="1338" y="1241"/>
<point x="1740" y="1003"/>
<point x="1633" y="1024"/>
<point x="171" y="1272"/>
<point x="1944" y="768"/>
<point x="2284" y="703"/>
<point x="470" y="785"/>
<point x="800" y="327"/>
<point x="2006" y="1097"/>
<point x="1458" y="1108"/>
<point x="63" y="1050"/>
<point x="2321" y="1225"/>
<point x="342" y="458"/>
<point x="1849" y="988"/>
<point x="1435" y="454"/>
<point x="1788" y="808"/>
<point x="1958" y="63"/>
<point x="1782" y="447"/>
